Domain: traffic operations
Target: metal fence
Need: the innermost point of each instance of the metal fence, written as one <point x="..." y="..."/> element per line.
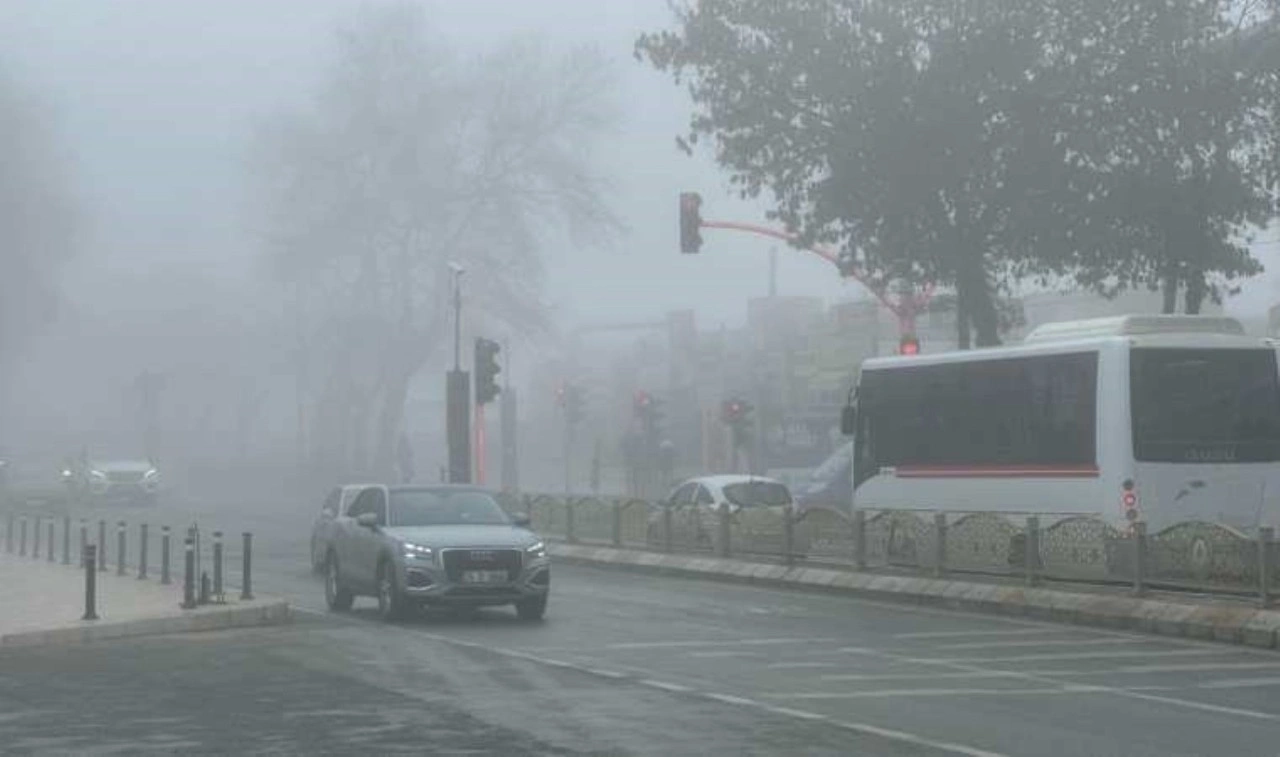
<point x="1195" y="556"/>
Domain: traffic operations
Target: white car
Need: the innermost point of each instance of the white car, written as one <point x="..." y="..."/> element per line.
<point x="322" y="531"/>
<point x="696" y="503"/>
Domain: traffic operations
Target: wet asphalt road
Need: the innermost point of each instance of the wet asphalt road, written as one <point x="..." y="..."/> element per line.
<point x="636" y="665"/>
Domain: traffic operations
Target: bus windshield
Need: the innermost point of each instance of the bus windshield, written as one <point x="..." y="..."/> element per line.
<point x="1205" y="405"/>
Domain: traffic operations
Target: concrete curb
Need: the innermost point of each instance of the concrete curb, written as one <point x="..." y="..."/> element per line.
<point x="1215" y="621"/>
<point x="206" y="619"/>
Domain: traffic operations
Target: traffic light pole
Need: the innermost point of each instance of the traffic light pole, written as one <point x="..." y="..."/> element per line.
<point x="480" y="444"/>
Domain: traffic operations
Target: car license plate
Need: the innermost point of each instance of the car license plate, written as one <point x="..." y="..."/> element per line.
<point x="484" y="577"/>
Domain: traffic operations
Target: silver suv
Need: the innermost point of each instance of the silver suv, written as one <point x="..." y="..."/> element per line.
<point x="411" y="546"/>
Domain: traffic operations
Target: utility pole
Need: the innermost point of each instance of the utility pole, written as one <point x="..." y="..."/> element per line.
<point x="508" y="420"/>
<point x="773" y="272"/>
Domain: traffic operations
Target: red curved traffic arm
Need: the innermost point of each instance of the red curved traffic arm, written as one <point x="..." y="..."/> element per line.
<point x="905" y="310"/>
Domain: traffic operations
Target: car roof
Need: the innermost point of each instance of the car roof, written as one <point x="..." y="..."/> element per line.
<point x="722" y="480"/>
<point x="439" y="488"/>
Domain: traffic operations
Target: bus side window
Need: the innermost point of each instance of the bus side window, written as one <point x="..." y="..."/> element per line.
<point x="863" y="458"/>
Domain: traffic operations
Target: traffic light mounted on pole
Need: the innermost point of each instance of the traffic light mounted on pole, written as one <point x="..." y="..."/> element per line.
<point x="487" y="370"/>
<point x="736" y="414"/>
<point x="690" y="222"/>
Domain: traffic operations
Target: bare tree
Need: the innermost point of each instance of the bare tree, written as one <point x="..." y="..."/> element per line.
<point x="408" y="158"/>
<point x="38" y="217"/>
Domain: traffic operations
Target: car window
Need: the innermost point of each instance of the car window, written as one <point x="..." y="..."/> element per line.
<point x="704" y="497"/>
<point x="361" y="504"/>
<point x="378" y="505"/>
<point x="330" y="506"/>
<point x="349" y="496"/>
<point x="758" y="494"/>
<point x="682" y="495"/>
<point x="442" y="507"/>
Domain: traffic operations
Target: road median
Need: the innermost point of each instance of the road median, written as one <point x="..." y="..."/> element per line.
<point x="1216" y="619"/>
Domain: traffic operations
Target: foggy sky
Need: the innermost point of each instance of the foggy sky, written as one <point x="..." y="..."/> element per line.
<point x="156" y="99"/>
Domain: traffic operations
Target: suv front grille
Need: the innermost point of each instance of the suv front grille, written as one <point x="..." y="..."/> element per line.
<point x="124" y="477"/>
<point x="458" y="560"/>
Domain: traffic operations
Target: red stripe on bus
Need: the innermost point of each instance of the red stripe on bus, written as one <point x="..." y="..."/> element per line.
<point x="996" y="471"/>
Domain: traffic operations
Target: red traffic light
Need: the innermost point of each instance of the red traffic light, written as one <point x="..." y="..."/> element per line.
<point x="909" y="345"/>
<point x="642" y="400"/>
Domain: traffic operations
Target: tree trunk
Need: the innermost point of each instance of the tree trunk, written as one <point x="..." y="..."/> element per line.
<point x="963" y="340"/>
<point x="1194" y="296"/>
<point x="976" y="300"/>
<point x="1169" y="291"/>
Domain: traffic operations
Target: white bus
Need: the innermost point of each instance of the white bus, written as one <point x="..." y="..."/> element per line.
<point x="1158" y="418"/>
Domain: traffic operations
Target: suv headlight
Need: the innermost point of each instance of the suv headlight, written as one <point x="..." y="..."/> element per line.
<point x="151" y="475"/>
<point x="97" y="474"/>
<point x="417" y="552"/>
<point x="536" y="551"/>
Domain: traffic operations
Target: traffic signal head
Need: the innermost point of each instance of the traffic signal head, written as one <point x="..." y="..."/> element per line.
<point x="690" y="222"/>
<point x="641" y="402"/>
<point x="732" y="411"/>
<point x="908" y="345"/>
<point x="487" y="370"/>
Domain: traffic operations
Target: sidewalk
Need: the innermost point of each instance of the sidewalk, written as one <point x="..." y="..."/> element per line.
<point x="1198" y="618"/>
<point x="43" y="602"/>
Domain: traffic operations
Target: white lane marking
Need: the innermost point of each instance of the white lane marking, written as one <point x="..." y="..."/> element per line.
<point x="1240" y="683"/>
<point x="1191" y="667"/>
<point x="792" y="713"/>
<point x="949" y="634"/>
<point x="957" y="692"/>
<point x="606" y="673"/>
<point x="711" y="643"/>
<point x="729" y="699"/>
<point x="799" y="665"/>
<point x="913" y="676"/>
<point x="665" y="686"/>
<point x="1131" y="692"/>
<point x="1039" y="643"/>
<point x="1199" y="705"/>
<point x="1064" y="656"/>
<point x="718" y="653"/>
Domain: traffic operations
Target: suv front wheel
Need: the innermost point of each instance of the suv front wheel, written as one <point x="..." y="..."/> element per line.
<point x="336" y="596"/>
<point x="532" y="608"/>
<point x="391" y="603"/>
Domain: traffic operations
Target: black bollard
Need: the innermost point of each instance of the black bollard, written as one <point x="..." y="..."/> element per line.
<point x="246" y="579"/>
<point x="22" y="538"/>
<point x="189" y="574"/>
<point x="217" y="568"/>
<point x="84" y="537"/>
<point x="66" y="540"/>
<point x="35" y="540"/>
<point x="52" y="528"/>
<point x="89" y="558"/>
<point x="102" y="545"/>
<point x="204" y="588"/>
<point x="164" y="554"/>
<point x="120" y="548"/>
<point x="142" y="551"/>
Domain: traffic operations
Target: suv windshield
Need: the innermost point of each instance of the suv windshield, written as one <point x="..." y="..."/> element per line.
<point x="1205" y="406"/>
<point x="757" y="494"/>
<point x="442" y="507"/>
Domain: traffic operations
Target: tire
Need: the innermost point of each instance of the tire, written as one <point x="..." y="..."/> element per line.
<point x="391" y="603"/>
<point x="317" y="564"/>
<point x="532" y="608"/>
<point x="336" y="595"/>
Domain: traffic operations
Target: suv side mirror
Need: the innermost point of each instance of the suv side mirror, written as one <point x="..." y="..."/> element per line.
<point x="849" y="419"/>
<point x="368" y="520"/>
<point x="521" y="520"/>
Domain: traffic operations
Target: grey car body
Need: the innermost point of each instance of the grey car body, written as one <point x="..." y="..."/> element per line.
<point x="335" y="505"/>
<point x="434" y="545"/>
<point x="135" y="481"/>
